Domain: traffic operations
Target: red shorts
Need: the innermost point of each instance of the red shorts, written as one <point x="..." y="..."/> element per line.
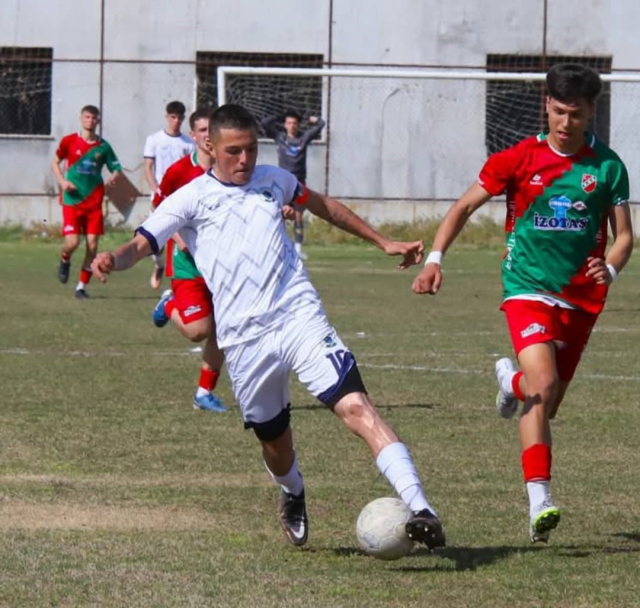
<point x="532" y="322"/>
<point x="80" y="220"/>
<point x="192" y="299"/>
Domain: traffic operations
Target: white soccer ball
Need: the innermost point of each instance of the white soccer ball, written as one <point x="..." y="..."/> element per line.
<point x="380" y="528"/>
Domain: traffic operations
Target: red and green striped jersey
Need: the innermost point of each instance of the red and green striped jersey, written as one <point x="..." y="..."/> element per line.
<point x="84" y="163"/>
<point x="557" y="212"/>
<point x="180" y="264"/>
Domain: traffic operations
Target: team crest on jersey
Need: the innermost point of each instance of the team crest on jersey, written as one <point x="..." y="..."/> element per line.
<point x="267" y="195"/>
<point x="329" y="341"/>
<point x="589" y="182"/>
<point x="560" y="220"/>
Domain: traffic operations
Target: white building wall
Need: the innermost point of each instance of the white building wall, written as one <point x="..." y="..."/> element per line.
<point x="386" y="141"/>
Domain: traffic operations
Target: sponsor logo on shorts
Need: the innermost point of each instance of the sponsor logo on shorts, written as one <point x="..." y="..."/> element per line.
<point x="534" y="328"/>
<point x="560" y="221"/>
<point x="68" y="228"/>
<point x="191" y="310"/>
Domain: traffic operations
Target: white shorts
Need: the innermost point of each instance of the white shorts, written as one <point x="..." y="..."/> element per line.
<point x="259" y="369"/>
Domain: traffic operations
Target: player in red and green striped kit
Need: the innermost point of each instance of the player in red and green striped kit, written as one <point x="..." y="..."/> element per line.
<point x="189" y="303"/>
<point x="563" y="188"/>
<point x="82" y="192"/>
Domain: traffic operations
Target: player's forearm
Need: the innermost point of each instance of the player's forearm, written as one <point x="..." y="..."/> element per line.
<point x="57" y="172"/>
<point x="150" y="177"/>
<point x="458" y="215"/>
<point x="334" y="212"/>
<point x="129" y="254"/>
<point x="450" y="228"/>
<point x="620" y="252"/>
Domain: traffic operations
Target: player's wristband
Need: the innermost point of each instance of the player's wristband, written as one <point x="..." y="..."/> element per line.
<point x="435" y="257"/>
<point x="612" y="271"/>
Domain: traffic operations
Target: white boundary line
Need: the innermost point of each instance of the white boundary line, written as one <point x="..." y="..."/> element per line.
<point x="389" y="366"/>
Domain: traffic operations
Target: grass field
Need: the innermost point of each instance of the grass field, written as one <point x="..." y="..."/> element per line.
<point x="114" y="492"/>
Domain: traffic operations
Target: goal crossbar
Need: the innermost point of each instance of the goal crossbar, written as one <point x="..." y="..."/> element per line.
<point x="223" y="71"/>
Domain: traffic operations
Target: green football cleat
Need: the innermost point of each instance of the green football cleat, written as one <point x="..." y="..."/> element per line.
<point x="542" y="523"/>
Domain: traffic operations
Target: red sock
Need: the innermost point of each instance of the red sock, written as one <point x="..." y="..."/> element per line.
<point x="169" y="307"/>
<point x="208" y="378"/>
<point x="515" y="385"/>
<point x="536" y="463"/>
<point x="85" y="275"/>
<point x="65" y="257"/>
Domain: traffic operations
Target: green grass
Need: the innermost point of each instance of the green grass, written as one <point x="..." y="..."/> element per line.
<point x="114" y="492"/>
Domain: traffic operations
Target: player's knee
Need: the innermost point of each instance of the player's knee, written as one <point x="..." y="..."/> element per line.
<point x="271" y="429"/>
<point x="544" y="387"/>
<point x="71" y="243"/>
<point x="198" y="331"/>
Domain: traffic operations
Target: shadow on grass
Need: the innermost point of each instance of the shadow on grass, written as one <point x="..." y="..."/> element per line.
<point x="471" y="558"/>
<point x="463" y="558"/>
<point x="379" y="406"/>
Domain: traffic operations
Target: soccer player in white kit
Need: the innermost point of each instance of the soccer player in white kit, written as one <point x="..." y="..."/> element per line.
<point x="269" y="317"/>
<point x="161" y="150"/>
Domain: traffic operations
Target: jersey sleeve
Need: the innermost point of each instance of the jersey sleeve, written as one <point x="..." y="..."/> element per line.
<point x="112" y="162"/>
<point x="270" y="126"/>
<point x="166" y="188"/>
<point x="291" y="187"/>
<point x="175" y="212"/>
<point x="498" y="170"/>
<point x="619" y="183"/>
<point x="149" y="147"/>
<point x="63" y="148"/>
<point x="311" y="132"/>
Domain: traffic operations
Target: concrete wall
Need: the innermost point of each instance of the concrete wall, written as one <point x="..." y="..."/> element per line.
<point x="394" y="139"/>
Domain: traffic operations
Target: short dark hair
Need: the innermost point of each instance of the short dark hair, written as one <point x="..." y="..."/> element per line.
<point x="91" y="110"/>
<point x="232" y="116"/>
<point x="571" y="82"/>
<point x="176" y="107"/>
<point x="292" y="114"/>
<point x="197" y="115"/>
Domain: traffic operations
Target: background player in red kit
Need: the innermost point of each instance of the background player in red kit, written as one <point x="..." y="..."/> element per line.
<point x="188" y="303"/>
<point x="81" y="192"/>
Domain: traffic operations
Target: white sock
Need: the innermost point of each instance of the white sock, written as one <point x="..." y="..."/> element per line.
<point x="539" y="495"/>
<point x="157" y="260"/>
<point x="80" y="285"/>
<point x="396" y="464"/>
<point x="505" y="371"/>
<point x="298" y="247"/>
<point x="201" y="392"/>
<point x="291" y="482"/>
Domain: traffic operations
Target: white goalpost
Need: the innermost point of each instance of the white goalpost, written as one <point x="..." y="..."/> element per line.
<point x="422" y="135"/>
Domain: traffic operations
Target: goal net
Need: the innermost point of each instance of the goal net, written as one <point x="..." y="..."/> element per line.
<point x="421" y="134"/>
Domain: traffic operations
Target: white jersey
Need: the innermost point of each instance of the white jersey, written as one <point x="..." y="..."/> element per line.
<point x="238" y="240"/>
<point x="165" y="150"/>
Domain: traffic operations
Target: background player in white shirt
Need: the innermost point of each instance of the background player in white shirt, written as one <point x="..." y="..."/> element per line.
<point x="269" y="317"/>
<point x="161" y="150"/>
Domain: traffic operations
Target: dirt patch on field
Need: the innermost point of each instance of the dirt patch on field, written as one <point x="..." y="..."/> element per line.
<point x="27" y="516"/>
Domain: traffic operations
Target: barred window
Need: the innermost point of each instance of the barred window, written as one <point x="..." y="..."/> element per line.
<point x="25" y="90"/>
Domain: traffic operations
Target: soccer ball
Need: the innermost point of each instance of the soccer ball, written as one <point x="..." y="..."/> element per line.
<point x="380" y="528"/>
